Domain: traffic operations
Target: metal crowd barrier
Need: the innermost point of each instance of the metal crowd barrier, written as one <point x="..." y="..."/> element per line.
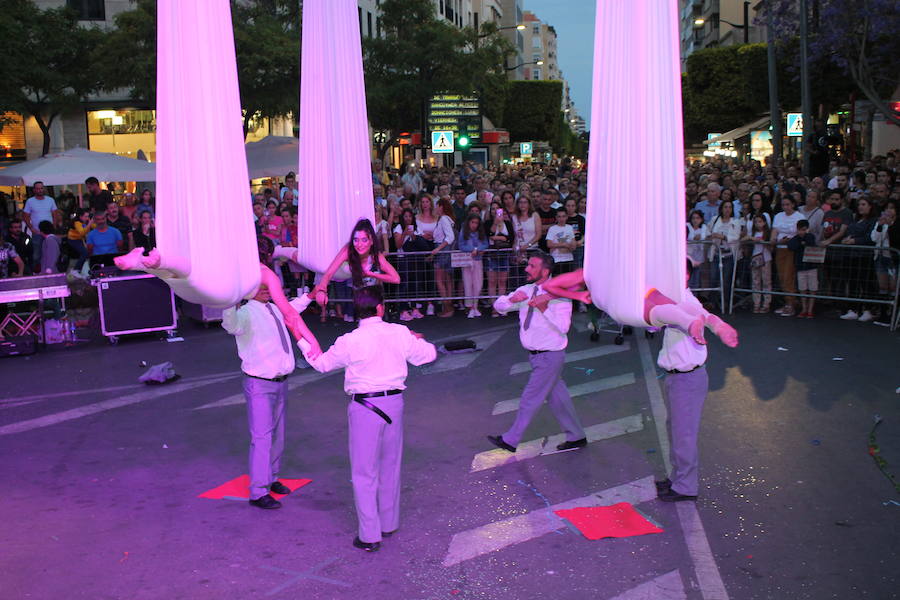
<point x="845" y="274"/>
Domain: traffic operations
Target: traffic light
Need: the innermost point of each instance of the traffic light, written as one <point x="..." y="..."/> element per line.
<point x="463" y="141"/>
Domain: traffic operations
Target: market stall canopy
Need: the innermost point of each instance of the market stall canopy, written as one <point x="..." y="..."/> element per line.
<point x="739" y="132"/>
<point x="272" y="156"/>
<point x="74" y="166"/>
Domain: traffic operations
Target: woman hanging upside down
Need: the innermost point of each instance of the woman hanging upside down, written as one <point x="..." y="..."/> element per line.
<point x="659" y="310"/>
<point x="174" y="269"/>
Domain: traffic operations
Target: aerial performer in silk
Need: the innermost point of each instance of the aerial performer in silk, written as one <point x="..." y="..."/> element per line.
<point x="634" y="269"/>
<point x="199" y="136"/>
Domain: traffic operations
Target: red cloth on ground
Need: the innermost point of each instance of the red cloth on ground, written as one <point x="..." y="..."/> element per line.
<point x="239" y="487"/>
<point x="618" y="520"/>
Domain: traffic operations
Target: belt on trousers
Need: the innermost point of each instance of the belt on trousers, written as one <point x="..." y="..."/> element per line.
<point x="278" y="379"/>
<point x="539" y="351"/>
<point x="676" y="371"/>
<point x="361" y="399"/>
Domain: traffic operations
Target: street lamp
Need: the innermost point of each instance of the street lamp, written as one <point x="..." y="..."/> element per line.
<point x="536" y="62"/>
<point x="700" y="22"/>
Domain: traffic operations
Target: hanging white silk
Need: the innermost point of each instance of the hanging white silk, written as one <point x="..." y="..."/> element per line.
<point x="635" y="217"/>
<point x="203" y="216"/>
<point x="335" y="180"/>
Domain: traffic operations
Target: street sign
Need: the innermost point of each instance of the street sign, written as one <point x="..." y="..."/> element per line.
<point x="525" y="148"/>
<point x="457" y="113"/>
<point x="442" y="141"/>
<point x="795" y="124"/>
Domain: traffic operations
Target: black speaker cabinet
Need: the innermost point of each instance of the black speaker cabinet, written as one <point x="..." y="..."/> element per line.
<point x="135" y="304"/>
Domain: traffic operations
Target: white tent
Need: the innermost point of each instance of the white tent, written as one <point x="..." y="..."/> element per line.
<point x="74" y="166"/>
<point x="272" y="156"/>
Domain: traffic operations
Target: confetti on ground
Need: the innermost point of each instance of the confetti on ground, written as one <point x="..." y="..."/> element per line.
<point x="780" y="349"/>
<point x="837" y="358"/>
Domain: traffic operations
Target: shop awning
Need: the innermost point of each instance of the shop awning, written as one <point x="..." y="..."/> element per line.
<point x="739" y="132"/>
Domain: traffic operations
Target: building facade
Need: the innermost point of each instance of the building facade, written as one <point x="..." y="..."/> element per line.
<point x="712" y="23"/>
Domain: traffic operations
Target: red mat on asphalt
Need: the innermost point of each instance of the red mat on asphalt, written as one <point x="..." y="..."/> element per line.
<point x="618" y="520"/>
<point x="239" y="487"/>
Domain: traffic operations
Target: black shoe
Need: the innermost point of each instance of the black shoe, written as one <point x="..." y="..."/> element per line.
<point x="572" y="445"/>
<point x="279" y="488"/>
<point x="267" y="502"/>
<point x="671" y="495"/>
<point x="498" y="441"/>
<point x="662" y="486"/>
<point x="386" y="534"/>
<point x="373" y="547"/>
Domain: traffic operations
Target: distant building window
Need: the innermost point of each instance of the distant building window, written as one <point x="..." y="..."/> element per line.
<point x="536" y="42"/>
<point x="536" y="74"/>
<point x="536" y="30"/>
<point x="88" y="10"/>
<point x="536" y="57"/>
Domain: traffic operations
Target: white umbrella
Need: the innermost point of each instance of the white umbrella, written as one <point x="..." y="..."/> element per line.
<point x="74" y="166"/>
<point x="272" y="156"/>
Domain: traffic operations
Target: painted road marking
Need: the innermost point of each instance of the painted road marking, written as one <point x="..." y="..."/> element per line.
<point x="708" y="577"/>
<point x="525" y="366"/>
<point x="90" y="409"/>
<point x="541" y="447"/>
<point x="500" y="534"/>
<point x="582" y="389"/>
<point x="665" y="587"/>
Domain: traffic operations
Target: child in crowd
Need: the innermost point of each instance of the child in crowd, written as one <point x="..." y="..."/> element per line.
<point x="760" y="263"/>
<point x="561" y="242"/>
<point x="807" y="272"/>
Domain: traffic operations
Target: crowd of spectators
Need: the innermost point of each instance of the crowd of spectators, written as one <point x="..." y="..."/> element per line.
<point x="772" y="228"/>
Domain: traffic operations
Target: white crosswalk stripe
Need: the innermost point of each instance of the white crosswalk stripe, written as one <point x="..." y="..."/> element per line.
<point x="525" y="366"/>
<point x="581" y="389"/>
<point x="500" y="534"/>
<point x="665" y="587"/>
<point x="544" y="446"/>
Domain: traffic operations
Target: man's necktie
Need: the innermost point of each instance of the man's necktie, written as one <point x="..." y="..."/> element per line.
<point x="530" y="313"/>
<point x="284" y="343"/>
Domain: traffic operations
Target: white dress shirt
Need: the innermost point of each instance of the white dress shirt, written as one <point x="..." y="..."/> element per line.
<point x="374" y="356"/>
<point x="679" y="350"/>
<point x="547" y="330"/>
<point x="258" y="337"/>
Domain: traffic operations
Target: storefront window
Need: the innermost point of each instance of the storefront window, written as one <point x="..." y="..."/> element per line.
<point x="130" y="133"/>
<point x="12" y="137"/>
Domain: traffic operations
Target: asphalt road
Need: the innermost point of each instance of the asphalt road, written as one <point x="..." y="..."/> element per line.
<point x="100" y="475"/>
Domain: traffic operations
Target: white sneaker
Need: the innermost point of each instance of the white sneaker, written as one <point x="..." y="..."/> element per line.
<point x="866" y="316"/>
<point x="477" y="312"/>
<point x="471" y="314"/>
<point x="405" y="316"/>
<point x="430" y="310"/>
<point x="850" y="315"/>
<point x="417" y="314"/>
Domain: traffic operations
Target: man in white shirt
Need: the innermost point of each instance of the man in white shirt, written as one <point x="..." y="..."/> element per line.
<point x="480" y="184"/>
<point x="39" y="208"/>
<point x="267" y="358"/>
<point x="684" y="360"/>
<point x="543" y="334"/>
<point x="374" y="358"/>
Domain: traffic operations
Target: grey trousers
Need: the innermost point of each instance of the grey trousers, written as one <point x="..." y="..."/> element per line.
<point x="545" y="380"/>
<point x="265" y="416"/>
<point x="685" y="394"/>
<point x="376" y="450"/>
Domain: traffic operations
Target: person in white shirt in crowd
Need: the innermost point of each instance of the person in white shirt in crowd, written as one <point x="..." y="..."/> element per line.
<point x="696" y="233"/>
<point x="444" y="236"/>
<point x="561" y="242"/>
<point x="412" y="180"/>
<point x="542" y="332"/>
<point x="784" y="227"/>
<point x="760" y="263"/>
<point x="39" y="207"/>
<point x="725" y="233"/>
<point x="480" y="185"/>
<point x="374" y="357"/>
<point x="267" y="359"/>
<point x="813" y="213"/>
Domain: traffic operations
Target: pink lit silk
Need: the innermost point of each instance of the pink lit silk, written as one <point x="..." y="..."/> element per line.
<point x="203" y="217"/>
<point x="635" y="215"/>
<point x="335" y="180"/>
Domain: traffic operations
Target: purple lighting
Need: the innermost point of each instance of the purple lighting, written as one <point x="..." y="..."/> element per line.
<point x="636" y="238"/>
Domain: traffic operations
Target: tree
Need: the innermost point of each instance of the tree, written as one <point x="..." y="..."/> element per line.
<point x="267" y="45"/>
<point x="419" y="56"/>
<point x="859" y="37"/>
<point x="46" y="70"/>
<point x="533" y="111"/>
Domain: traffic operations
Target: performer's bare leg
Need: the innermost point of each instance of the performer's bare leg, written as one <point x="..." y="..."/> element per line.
<point x="660" y="310"/>
<point x="168" y="267"/>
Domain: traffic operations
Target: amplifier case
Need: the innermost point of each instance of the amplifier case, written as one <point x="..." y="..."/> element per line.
<point x="135" y="304"/>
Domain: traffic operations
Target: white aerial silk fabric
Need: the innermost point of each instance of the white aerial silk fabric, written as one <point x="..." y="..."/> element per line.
<point x="203" y="216"/>
<point x="335" y="177"/>
<point x="635" y="214"/>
